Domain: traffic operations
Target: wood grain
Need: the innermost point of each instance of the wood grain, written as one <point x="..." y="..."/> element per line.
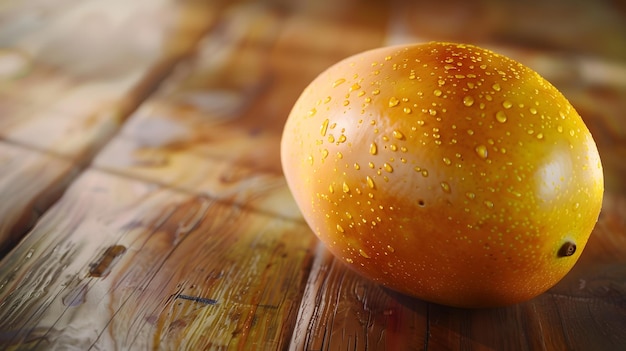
<point x="192" y="274"/>
<point x="66" y="88"/>
<point x="220" y="179"/>
<point x="74" y="83"/>
<point x="343" y="311"/>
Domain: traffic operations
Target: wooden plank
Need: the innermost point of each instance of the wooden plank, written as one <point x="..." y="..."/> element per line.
<point x="340" y="310"/>
<point x="266" y="192"/>
<point x="120" y="264"/>
<point x="69" y="78"/>
<point x="73" y="135"/>
<point x="81" y="71"/>
<point x="201" y="107"/>
<point x="30" y="182"/>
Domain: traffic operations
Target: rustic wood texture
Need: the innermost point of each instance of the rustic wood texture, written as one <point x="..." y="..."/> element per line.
<point x="139" y="266"/>
<point x="31" y="181"/>
<point x="66" y="86"/>
<point x="72" y="80"/>
<point x="139" y="166"/>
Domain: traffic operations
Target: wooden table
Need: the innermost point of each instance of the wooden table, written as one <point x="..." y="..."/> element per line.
<point x="143" y="203"/>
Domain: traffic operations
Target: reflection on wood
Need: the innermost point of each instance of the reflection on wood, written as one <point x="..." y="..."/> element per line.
<point x="341" y="310"/>
<point x="118" y="263"/>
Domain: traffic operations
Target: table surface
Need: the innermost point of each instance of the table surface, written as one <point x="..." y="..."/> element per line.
<point x="143" y="203"/>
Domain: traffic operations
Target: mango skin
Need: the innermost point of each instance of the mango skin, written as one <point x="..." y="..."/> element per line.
<point x="444" y="171"/>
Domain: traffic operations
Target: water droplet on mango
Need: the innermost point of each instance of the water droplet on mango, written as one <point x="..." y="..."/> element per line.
<point x="373" y="149"/>
<point x="370" y="182"/>
<point x="501" y="116"/>
<point x="481" y="151"/>
<point x="363" y="253"/>
<point x="398" y="134"/>
<point x="445" y="187"/>
<point x="345" y="188"/>
<point x="393" y="102"/>
<point x="339" y="82"/>
<point x="324" y="127"/>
